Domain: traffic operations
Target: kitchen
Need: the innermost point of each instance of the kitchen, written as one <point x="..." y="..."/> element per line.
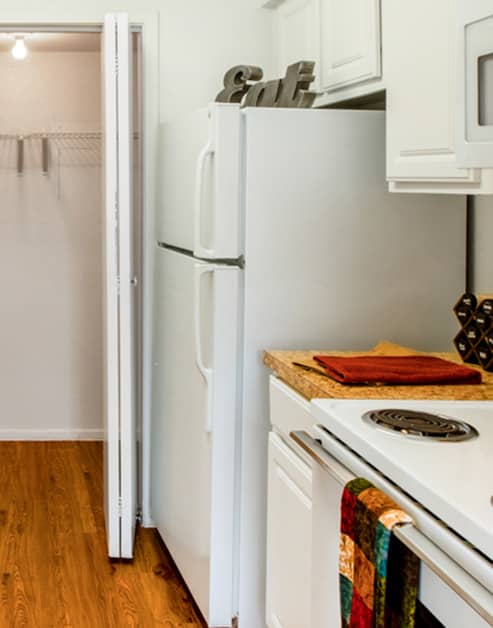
<point x="196" y="45"/>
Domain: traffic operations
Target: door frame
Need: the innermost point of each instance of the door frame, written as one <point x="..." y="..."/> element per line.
<point x="147" y="23"/>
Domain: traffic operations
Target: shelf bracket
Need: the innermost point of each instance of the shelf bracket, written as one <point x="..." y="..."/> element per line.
<point x="20" y="155"/>
<point x="44" y="154"/>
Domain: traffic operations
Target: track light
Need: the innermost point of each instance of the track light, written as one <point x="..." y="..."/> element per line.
<point x="19" y="51"/>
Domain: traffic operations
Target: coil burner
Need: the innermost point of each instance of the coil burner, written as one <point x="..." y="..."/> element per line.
<point x="423" y="425"/>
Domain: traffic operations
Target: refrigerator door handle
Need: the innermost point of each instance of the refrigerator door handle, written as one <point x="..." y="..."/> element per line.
<point x="206" y="372"/>
<point x="199" y="250"/>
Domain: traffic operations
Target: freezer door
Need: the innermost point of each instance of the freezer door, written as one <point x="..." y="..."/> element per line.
<point x="199" y="195"/>
<point x="194" y="423"/>
<point x="120" y="446"/>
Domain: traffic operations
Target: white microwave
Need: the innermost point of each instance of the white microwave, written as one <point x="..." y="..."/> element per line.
<point x="474" y="124"/>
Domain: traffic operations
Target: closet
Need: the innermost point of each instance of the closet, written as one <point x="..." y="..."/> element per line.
<point x="70" y="246"/>
<point x="51" y="325"/>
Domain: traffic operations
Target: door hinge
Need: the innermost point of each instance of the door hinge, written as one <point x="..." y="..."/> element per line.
<point x="118" y="284"/>
<point x="120" y="507"/>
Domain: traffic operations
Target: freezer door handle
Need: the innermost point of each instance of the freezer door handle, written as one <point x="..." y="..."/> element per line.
<point x="205" y="154"/>
<point x="206" y="372"/>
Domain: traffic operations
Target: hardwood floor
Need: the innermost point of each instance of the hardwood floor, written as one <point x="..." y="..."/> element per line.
<point x="54" y="572"/>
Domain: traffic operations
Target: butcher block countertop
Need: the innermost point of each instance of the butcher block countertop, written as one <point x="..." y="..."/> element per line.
<point x="314" y="386"/>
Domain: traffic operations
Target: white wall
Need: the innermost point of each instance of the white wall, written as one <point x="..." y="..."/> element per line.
<point x="200" y="40"/>
<point x="50" y="250"/>
<point x="483" y="244"/>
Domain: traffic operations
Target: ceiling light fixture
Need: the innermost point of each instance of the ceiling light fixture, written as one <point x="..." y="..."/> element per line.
<point x="19" y="51"/>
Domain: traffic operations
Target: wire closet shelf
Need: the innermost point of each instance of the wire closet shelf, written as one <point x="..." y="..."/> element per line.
<point x="78" y="143"/>
<point x="84" y="148"/>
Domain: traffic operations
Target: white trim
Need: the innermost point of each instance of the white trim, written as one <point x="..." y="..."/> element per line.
<point x="149" y="24"/>
<point x="128" y="408"/>
<point x="150" y="122"/>
<point x="51" y="435"/>
<point x="112" y="300"/>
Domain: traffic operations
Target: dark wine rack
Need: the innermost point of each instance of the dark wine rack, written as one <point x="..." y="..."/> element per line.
<point x="474" y="342"/>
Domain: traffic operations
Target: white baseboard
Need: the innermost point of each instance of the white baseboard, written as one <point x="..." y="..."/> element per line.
<point x="147" y="523"/>
<point x="50" y="435"/>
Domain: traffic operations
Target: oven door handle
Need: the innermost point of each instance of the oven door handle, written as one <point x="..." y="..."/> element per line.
<point x="319" y="455"/>
<point x="467" y="587"/>
<point x="450" y="572"/>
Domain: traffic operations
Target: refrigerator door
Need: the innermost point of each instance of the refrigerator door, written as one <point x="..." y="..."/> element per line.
<point x="120" y="447"/>
<point x="200" y="198"/>
<point x="194" y="423"/>
<point x="333" y="262"/>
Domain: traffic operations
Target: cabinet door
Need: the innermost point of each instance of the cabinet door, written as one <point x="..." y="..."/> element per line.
<point x="475" y="84"/>
<point x="297" y="33"/>
<point x="420" y="73"/>
<point x="350" y="35"/>
<point x="289" y="534"/>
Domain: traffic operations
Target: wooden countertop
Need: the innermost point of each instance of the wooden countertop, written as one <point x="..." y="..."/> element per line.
<point x="314" y="386"/>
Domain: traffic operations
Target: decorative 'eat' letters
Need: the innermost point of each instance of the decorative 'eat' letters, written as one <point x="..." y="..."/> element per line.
<point x="236" y="82"/>
<point x="294" y="86"/>
<point x="263" y="94"/>
<point x="290" y="91"/>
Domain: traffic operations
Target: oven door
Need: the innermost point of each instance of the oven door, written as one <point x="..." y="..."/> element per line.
<point x="328" y="481"/>
<point x="447" y="592"/>
<point x="475" y="84"/>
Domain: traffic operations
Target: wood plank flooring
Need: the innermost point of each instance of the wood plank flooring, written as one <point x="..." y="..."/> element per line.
<point x="54" y="571"/>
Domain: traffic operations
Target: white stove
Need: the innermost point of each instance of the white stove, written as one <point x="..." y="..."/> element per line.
<point x="435" y="459"/>
<point x="452" y="479"/>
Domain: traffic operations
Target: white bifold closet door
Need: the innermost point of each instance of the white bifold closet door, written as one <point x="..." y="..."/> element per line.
<point x="120" y="447"/>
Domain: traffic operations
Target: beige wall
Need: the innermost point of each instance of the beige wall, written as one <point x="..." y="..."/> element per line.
<point x="50" y="92"/>
<point x="50" y="250"/>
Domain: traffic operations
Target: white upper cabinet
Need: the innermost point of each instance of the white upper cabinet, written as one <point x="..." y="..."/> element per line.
<point x="350" y="37"/>
<point x="475" y="78"/>
<point x="296" y="34"/>
<point x="341" y="36"/>
<point x="420" y="69"/>
<point x="433" y="59"/>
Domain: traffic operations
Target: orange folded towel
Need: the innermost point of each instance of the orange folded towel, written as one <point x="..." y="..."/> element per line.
<point x="412" y="369"/>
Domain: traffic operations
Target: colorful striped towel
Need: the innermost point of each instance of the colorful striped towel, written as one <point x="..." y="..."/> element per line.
<point x="378" y="574"/>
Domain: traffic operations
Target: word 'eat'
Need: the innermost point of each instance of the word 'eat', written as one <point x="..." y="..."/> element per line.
<point x="241" y="86"/>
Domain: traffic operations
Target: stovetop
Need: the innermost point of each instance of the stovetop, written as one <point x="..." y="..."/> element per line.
<point x="452" y="479"/>
<point x="419" y="424"/>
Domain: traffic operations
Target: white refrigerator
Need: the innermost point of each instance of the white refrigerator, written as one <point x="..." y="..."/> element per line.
<point x="275" y="229"/>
